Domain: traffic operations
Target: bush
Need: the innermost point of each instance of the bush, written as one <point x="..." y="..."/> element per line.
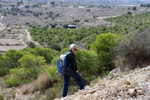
<point x="3" y="67"/>
<point x="52" y="71"/>
<point x="14" y="95"/>
<point x="63" y="51"/>
<point x="30" y="61"/>
<point x="134" y="50"/>
<point x="72" y="89"/>
<point x="129" y="13"/>
<point x="22" y="74"/>
<point x="1" y="97"/>
<point x="54" y="60"/>
<point x="134" y="8"/>
<point x="12" y="81"/>
<point x="12" y="57"/>
<point x="54" y="92"/>
<point x="87" y="61"/>
<point x="32" y="65"/>
<point x="45" y="52"/>
<point x="55" y="46"/>
<point x="31" y="44"/>
<point x="104" y="47"/>
<point x="3" y="72"/>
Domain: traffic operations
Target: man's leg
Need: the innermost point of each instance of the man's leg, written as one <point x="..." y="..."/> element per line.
<point x="66" y="84"/>
<point x="76" y="76"/>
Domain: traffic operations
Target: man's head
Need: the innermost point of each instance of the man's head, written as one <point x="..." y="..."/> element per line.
<point x="74" y="48"/>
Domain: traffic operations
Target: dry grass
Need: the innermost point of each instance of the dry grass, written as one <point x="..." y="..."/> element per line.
<point x="28" y="88"/>
<point x="43" y="82"/>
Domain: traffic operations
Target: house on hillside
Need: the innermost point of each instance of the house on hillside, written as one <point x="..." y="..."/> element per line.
<point x="72" y="26"/>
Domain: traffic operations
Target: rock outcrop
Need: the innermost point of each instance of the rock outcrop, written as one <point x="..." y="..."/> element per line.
<point x="134" y="85"/>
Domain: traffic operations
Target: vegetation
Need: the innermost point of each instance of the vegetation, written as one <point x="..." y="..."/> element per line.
<point x="1" y="97"/>
<point x="106" y="47"/>
<point x="145" y="5"/>
<point x="133" y="51"/>
<point x="87" y="62"/>
<point x="53" y="37"/>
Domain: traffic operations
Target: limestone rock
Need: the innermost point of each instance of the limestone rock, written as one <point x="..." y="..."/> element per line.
<point x="132" y="92"/>
<point x="140" y="92"/>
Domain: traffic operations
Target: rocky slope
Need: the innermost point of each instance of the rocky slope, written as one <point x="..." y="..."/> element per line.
<point x="134" y="85"/>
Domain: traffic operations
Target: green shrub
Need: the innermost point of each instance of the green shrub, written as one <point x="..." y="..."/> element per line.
<point x="31" y="66"/>
<point x="3" y="66"/>
<point x="12" y="58"/>
<point x="54" y="60"/>
<point x="30" y="61"/>
<point x="45" y="52"/>
<point x="17" y="71"/>
<point x="22" y="76"/>
<point x="72" y="89"/>
<point x="31" y="44"/>
<point x="129" y="13"/>
<point x="134" y="8"/>
<point x="87" y="61"/>
<point x="104" y="47"/>
<point x="19" y="76"/>
<point x="1" y="97"/>
<point x="12" y="81"/>
<point x="54" y="92"/>
<point x="9" y="60"/>
<point x="63" y="51"/>
<point x="3" y="71"/>
<point x="24" y="73"/>
<point x="29" y="51"/>
<point x="13" y="95"/>
<point x="52" y="71"/>
<point x="55" y="46"/>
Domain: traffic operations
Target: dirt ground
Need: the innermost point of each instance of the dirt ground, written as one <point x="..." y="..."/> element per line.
<point x="59" y="16"/>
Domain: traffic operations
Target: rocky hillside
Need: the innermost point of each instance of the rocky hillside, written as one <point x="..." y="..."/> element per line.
<point x="134" y="85"/>
<point x="102" y="2"/>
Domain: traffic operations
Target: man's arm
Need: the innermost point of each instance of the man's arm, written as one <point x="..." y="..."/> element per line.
<point x="72" y="58"/>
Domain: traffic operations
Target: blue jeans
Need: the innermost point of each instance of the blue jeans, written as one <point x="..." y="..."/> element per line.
<point x="76" y="76"/>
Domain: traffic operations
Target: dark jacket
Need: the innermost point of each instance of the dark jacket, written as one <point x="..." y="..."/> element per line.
<point x="71" y="60"/>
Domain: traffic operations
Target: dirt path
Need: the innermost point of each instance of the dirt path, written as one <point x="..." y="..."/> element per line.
<point x="108" y="17"/>
<point x="2" y="27"/>
<point x="1" y="80"/>
<point x="29" y="38"/>
<point x="23" y="36"/>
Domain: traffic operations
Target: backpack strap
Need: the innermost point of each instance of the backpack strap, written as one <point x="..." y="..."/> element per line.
<point x="69" y="66"/>
<point x="61" y="62"/>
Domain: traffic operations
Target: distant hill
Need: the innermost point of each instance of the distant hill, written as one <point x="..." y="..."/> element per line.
<point x="98" y="2"/>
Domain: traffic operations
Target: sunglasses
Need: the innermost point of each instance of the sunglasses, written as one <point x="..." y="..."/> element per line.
<point x="75" y="49"/>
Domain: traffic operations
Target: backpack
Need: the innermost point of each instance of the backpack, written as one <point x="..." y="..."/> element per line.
<point x="61" y="63"/>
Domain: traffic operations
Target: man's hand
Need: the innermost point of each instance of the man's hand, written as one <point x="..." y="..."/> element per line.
<point x="77" y="71"/>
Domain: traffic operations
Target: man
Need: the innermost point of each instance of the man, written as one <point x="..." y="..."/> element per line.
<point x="72" y="71"/>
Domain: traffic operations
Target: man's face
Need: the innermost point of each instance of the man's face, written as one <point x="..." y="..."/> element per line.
<point x="75" y="49"/>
